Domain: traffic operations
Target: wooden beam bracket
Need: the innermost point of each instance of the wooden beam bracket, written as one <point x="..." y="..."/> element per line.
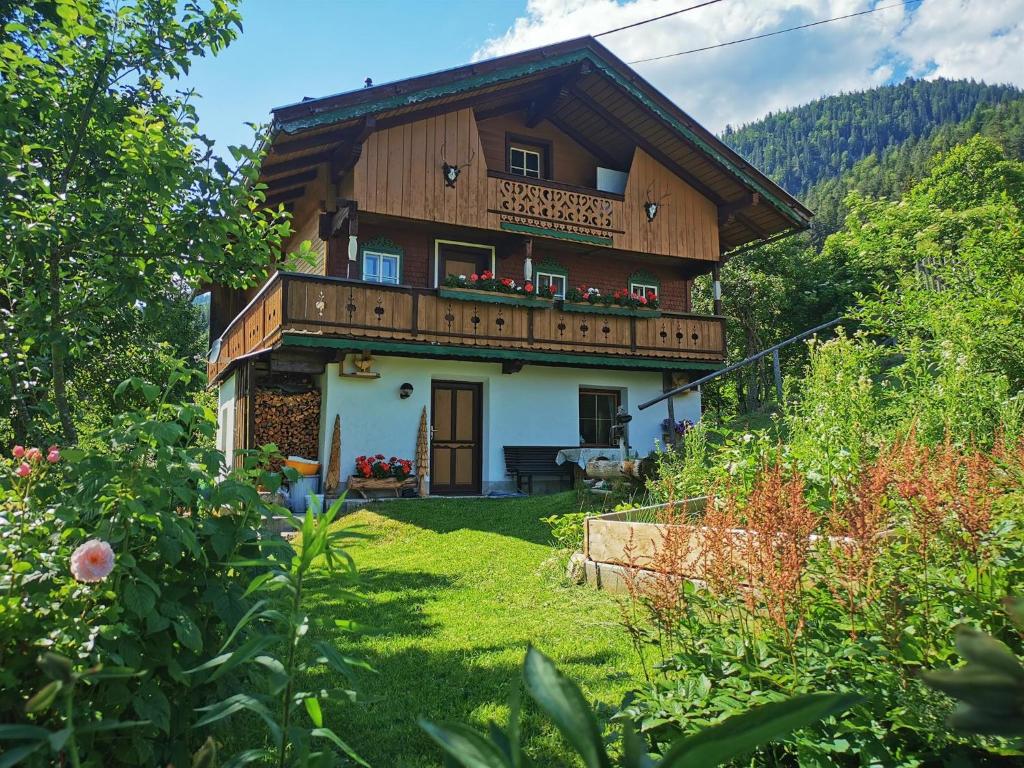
<point x="348" y="154"/>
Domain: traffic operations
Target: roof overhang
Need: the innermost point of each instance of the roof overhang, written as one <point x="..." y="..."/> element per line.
<point x="311" y="131"/>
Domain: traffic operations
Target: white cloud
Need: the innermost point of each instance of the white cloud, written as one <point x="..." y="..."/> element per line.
<point x="983" y="39"/>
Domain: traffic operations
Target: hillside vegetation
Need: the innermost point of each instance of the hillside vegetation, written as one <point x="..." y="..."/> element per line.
<point x="838" y="154"/>
<point x="800" y="147"/>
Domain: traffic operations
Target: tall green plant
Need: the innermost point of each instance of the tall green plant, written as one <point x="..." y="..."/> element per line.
<point x="270" y="642"/>
<point x="562" y="701"/>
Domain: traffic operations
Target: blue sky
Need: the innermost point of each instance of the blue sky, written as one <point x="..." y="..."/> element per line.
<point x="297" y="48"/>
<point x="318" y="47"/>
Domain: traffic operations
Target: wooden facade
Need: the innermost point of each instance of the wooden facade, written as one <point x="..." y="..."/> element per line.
<point x="399" y="174"/>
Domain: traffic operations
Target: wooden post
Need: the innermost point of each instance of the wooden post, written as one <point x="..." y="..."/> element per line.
<point x="716" y="288"/>
<point x="777" y="371"/>
<point x="666" y="386"/>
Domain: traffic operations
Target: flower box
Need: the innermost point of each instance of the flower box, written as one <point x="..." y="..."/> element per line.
<point x="494" y="297"/>
<point x="605" y="309"/>
<point x="363" y="484"/>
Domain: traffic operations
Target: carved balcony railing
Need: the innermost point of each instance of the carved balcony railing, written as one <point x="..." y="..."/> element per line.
<point x="553" y="206"/>
<point x="312" y="311"/>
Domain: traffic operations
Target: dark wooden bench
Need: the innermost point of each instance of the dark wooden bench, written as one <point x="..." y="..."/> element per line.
<point x="522" y="462"/>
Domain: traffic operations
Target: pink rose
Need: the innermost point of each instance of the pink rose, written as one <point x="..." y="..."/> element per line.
<point x="33" y="454"/>
<point x="92" y="561"/>
<point x="53" y="456"/>
<point x="24" y="470"/>
<point x="19" y="451"/>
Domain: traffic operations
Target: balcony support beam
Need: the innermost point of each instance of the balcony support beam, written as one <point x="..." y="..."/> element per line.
<point x="345" y="157"/>
<point x="541" y="107"/>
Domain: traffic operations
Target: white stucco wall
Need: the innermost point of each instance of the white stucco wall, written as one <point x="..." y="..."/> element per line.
<point x="537" y="406"/>
<point x="226" y="419"/>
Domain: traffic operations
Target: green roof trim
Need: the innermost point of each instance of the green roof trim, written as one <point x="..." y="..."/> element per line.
<point x="511" y="73"/>
<point x="558" y="234"/>
<point x="420" y="349"/>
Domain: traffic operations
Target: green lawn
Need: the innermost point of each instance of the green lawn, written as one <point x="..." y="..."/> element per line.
<point x="455" y="590"/>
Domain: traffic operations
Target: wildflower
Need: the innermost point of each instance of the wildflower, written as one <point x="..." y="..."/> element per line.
<point x="19" y="451"/>
<point x="92" y="561"/>
<point x="24" y="470"/>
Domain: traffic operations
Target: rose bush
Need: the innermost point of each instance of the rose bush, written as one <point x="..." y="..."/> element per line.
<point x="120" y="556"/>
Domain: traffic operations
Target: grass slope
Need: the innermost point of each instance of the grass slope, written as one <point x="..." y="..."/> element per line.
<point x="455" y="591"/>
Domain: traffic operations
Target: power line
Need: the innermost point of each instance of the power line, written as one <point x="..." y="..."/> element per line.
<point x="657" y="18"/>
<point x="777" y="32"/>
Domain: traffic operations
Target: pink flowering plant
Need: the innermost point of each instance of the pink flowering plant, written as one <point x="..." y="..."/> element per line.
<point x="621" y="297"/>
<point x="488" y="281"/>
<point x="127" y="555"/>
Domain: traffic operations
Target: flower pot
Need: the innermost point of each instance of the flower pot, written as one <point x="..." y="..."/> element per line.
<point x="494" y="297"/>
<point x="602" y="309"/>
<point x="363" y="484"/>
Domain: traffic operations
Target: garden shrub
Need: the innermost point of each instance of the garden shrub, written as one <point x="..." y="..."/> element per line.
<point x="904" y="445"/>
<point x="177" y="532"/>
<point x="922" y="539"/>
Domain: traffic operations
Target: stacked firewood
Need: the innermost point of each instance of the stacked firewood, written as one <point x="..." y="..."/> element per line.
<point x="291" y="421"/>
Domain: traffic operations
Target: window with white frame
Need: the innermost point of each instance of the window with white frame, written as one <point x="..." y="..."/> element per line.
<point x="380" y="267"/>
<point x="545" y="279"/>
<point x="643" y="288"/>
<point x="524" y="162"/>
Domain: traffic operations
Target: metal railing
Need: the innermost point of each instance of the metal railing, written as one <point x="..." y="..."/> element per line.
<point x="776" y="368"/>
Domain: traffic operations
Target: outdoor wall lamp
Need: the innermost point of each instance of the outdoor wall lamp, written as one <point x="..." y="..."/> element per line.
<point x="405" y="391"/>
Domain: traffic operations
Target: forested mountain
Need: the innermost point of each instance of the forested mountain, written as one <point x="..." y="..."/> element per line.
<point x="895" y="170"/>
<point x="838" y="155"/>
<point x="800" y="147"/>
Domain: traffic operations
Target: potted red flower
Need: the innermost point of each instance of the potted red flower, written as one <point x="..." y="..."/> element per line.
<point x="379" y="473"/>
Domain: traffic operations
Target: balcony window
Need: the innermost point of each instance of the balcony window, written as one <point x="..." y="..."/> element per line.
<point x="597" y="415"/>
<point x="545" y="279"/>
<point x="525" y="162"/>
<point x="549" y="272"/>
<point x="644" y="283"/>
<point x="382" y="262"/>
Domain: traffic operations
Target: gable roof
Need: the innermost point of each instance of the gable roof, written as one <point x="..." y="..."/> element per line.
<point x="588" y="93"/>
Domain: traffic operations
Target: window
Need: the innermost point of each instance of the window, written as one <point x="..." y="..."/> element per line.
<point x="380" y="267"/>
<point x="643" y="288"/>
<point x="544" y="279"/>
<point x="524" y="162"/>
<point x="643" y="283"/>
<point x="597" y="416"/>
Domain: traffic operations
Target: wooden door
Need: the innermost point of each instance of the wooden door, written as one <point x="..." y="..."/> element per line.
<point x="456" y="446"/>
<point x="453" y="259"/>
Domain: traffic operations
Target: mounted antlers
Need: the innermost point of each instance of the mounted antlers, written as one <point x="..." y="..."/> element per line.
<point x="451" y="172"/>
<point x="651" y="206"/>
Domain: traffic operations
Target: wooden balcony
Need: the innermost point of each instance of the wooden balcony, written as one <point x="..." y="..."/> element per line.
<point x="315" y="311"/>
<point x="548" y="205"/>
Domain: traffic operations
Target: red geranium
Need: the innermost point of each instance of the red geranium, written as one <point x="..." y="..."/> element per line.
<point x="528" y="287"/>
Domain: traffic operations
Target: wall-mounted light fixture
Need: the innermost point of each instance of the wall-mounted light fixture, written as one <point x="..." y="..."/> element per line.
<point x="405" y="391"/>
